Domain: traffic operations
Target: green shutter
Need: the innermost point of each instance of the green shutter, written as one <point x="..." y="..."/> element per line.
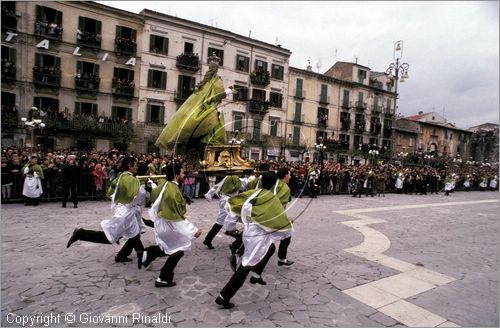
<point x="59" y="16"/>
<point x="296" y="135"/>
<point x="78" y="109"/>
<point x="113" y="112"/>
<point x="98" y="27"/>
<point x="12" y="55"/>
<point x="57" y="62"/>
<point x="94" y="109"/>
<point x="96" y="69"/>
<point x="179" y="86"/>
<point x="162" y="114"/>
<point x="133" y="35"/>
<point x="81" y="23"/>
<point x="148" y="113"/>
<point x="299" y="85"/>
<point x="360" y="97"/>
<point x="165" y="46"/>
<point x="38" y="60"/>
<point x="192" y="84"/>
<point x="150" y="78"/>
<point x="164" y="80"/>
<point x="151" y="42"/>
<point x="298" y="112"/>
<point x="118" y="33"/>
<point x="129" y="114"/>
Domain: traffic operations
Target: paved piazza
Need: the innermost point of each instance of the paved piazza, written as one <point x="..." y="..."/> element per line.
<point x="402" y="260"/>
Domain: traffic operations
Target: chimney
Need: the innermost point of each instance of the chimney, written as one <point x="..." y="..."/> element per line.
<point x="420" y="113"/>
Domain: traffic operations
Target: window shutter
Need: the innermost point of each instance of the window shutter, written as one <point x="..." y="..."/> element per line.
<point x="57" y="62"/>
<point x="59" y="16"/>
<point x="38" y="60"/>
<point x="96" y="69"/>
<point x="118" y="33"/>
<point x="113" y="112"/>
<point x="148" y="113"/>
<point x="165" y="46"/>
<point x="81" y="23"/>
<point x="299" y="87"/>
<point x="39" y="12"/>
<point x="98" y="27"/>
<point x="129" y="113"/>
<point x="298" y="111"/>
<point x="78" y="108"/>
<point x="179" y="86"/>
<point x="133" y="33"/>
<point x="192" y="84"/>
<point x="151" y="42"/>
<point x="162" y="114"/>
<point x="296" y="135"/>
<point x="12" y="55"/>
<point x="150" y="78"/>
<point x="94" y="109"/>
<point x="79" y="66"/>
<point x="360" y="97"/>
<point x="164" y="80"/>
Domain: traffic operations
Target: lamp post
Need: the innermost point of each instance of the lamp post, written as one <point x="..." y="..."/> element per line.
<point x="319" y="145"/>
<point x="397" y="72"/>
<point x="402" y="156"/>
<point x="373" y="154"/>
<point x="428" y="158"/>
<point x="35" y="123"/>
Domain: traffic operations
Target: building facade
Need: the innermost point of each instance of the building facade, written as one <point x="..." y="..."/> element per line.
<point x="484" y="143"/>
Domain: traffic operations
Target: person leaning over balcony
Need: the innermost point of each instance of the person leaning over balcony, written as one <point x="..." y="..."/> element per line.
<point x="173" y="233"/>
<point x="127" y="201"/>
<point x="32" y="188"/>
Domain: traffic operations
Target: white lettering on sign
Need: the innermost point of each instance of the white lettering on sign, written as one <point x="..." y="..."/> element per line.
<point x="43" y="44"/>
<point x="77" y="51"/>
<point x="105" y="57"/>
<point x="131" y="62"/>
<point x="10" y="36"/>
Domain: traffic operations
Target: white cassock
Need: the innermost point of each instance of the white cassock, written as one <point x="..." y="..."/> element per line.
<point x="399" y="182"/>
<point x="493" y="183"/>
<point x="127" y="218"/>
<point x="32" y="187"/>
<point x="171" y="236"/>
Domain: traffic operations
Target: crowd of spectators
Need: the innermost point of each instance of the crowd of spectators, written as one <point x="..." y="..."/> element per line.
<point x="52" y="29"/>
<point x="87" y="80"/>
<point x="126" y="44"/>
<point x="8" y="67"/>
<point x="308" y="179"/>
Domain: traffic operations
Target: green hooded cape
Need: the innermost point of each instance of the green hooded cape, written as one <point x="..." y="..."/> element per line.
<point x="283" y="192"/>
<point x="197" y="118"/>
<point x="36" y="168"/>
<point x="172" y="204"/>
<point x="128" y="188"/>
<point x="267" y="210"/>
<point x="231" y="185"/>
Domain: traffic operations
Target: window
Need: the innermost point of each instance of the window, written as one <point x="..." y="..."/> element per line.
<point x="360" y="98"/>
<point x="124" y="76"/>
<point x="399" y="139"/>
<point x="345" y="100"/>
<point x="296" y="135"/>
<point x="218" y="52"/>
<point x="258" y="94"/>
<point x="157" y="79"/>
<point x="375" y="103"/>
<point x="389" y="106"/>
<point x="87" y="75"/>
<point x="238" y="122"/>
<point x="241" y="93"/>
<point x="344" y="138"/>
<point x="273" y="123"/>
<point x="358" y="140"/>
<point x="158" y="44"/>
<point x="188" y="48"/>
<point x="48" y="105"/>
<point x="242" y="63"/>
<point x="298" y="88"/>
<point x="298" y="112"/>
<point x="260" y="64"/>
<point x="155" y="113"/>
<point x="321" y="134"/>
<point x="85" y="109"/>
<point x="185" y="86"/>
<point x="125" y="42"/>
<point x="275" y="99"/>
<point x="48" y="22"/>
<point x="446" y="134"/>
<point x="9" y="18"/>
<point x="256" y="129"/>
<point x="277" y="71"/>
<point x="89" y="32"/>
<point x="361" y="76"/>
<point x="8" y="62"/>
<point x="451" y="135"/>
<point x="411" y="141"/>
<point x="47" y="70"/>
<point x="322" y="116"/>
<point x="324" y="93"/>
<point x="121" y="114"/>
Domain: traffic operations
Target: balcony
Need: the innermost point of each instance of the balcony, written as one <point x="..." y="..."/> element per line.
<point x="260" y="107"/>
<point x="84" y="125"/>
<point x="389" y="112"/>
<point x="188" y="61"/>
<point x="52" y="31"/>
<point x="375" y="128"/>
<point x="376" y="109"/>
<point x="345" y="125"/>
<point x="121" y="90"/>
<point x="125" y="47"/>
<point x="8" y="71"/>
<point x="9" y="119"/>
<point x="324" y="99"/>
<point x="323" y="122"/>
<point x="387" y="131"/>
<point x="260" y="77"/>
<point x="359" y="127"/>
<point x="51" y="80"/>
<point x="87" y="39"/>
<point x="85" y="84"/>
<point x="360" y="105"/>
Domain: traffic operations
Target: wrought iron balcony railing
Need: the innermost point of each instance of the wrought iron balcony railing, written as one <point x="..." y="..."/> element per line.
<point x="122" y="90"/>
<point x="360" y="105"/>
<point x="125" y="47"/>
<point x="53" y="31"/>
<point x="87" y="84"/>
<point x="260" y="77"/>
<point x="52" y="80"/>
<point x="257" y="106"/>
<point x="188" y="61"/>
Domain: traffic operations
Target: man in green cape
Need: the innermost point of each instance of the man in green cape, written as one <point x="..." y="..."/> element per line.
<point x="264" y="221"/>
<point x="198" y="121"/>
<point x="228" y="187"/>
<point x="173" y="233"/>
<point x="32" y="187"/>
<point x="128" y="198"/>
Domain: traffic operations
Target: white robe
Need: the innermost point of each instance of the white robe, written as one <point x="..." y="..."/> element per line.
<point x="399" y="182"/>
<point x="493" y="183"/>
<point x="127" y="218"/>
<point x="32" y="187"/>
<point x="171" y="236"/>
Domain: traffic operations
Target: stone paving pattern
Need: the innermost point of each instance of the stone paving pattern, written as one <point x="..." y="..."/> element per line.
<point x="39" y="275"/>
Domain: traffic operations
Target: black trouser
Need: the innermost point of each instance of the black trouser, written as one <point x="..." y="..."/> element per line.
<point x="167" y="271"/>
<point x="99" y="237"/>
<point x="213" y="232"/>
<point x="32" y="201"/>
<point x="238" y="278"/>
<point x="283" y="248"/>
<point x="66" y="189"/>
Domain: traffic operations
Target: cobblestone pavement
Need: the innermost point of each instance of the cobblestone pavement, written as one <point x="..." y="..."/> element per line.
<point x="354" y="260"/>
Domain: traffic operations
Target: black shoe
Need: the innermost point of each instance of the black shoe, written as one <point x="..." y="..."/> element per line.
<point x="75" y="206"/>
<point x="208" y="244"/>
<point x="74" y="237"/>
<point x="64" y="205"/>
<point x="233" y="233"/>
<point x="35" y="204"/>
<point x="122" y="260"/>
<point x="284" y="262"/>
<point x="27" y="204"/>
<point x="161" y="283"/>
<point x="226" y="304"/>
<point x="254" y="280"/>
<point x="140" y="262"/>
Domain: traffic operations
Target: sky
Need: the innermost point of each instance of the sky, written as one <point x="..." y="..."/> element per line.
<point x="452" y="47"/>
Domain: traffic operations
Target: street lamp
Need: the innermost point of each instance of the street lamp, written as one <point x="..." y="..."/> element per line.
<point x="35" y="123"/>
<point x="319" y="145"/>
<point x="428" y="158"/>
<point x="402" y="156"/>
<point x="396" y="68"/>
<point x="373" y="154"/>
